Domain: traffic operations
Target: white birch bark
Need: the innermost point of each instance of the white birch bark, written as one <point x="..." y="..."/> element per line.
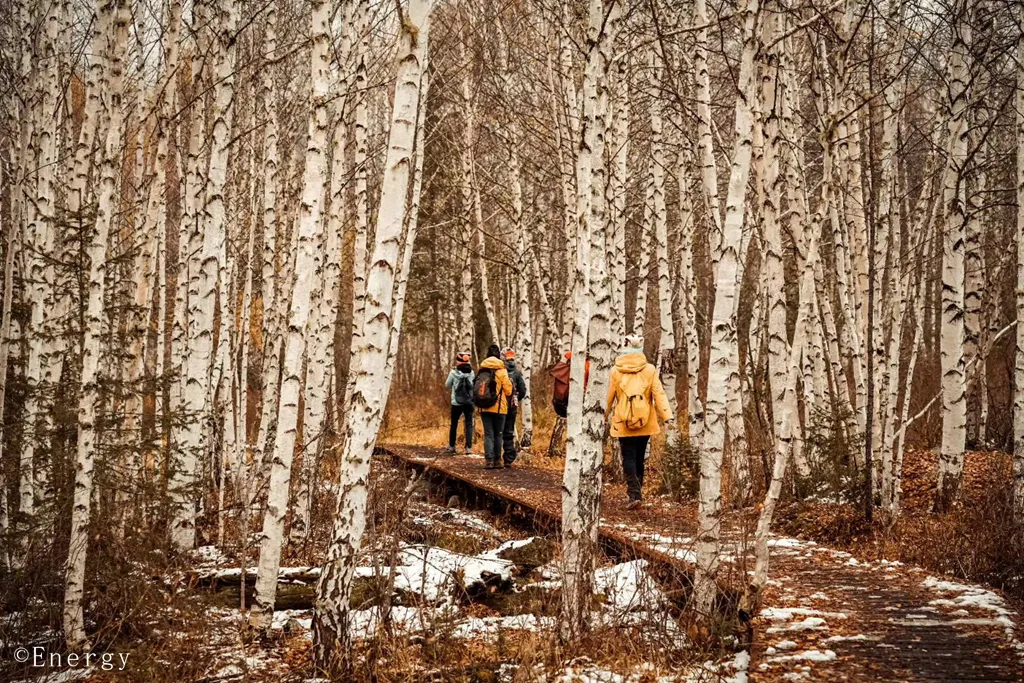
<point x="581" y="483"/>
<point x="954" y="388"/>
<point x="524" y="329"/>
<point x="308" y="262"/>
<point x="40" y="212"/>
<point x="643" y="272"/>
<point x="411" y="230"/>
<point x="112" y="86"/>
<point x="366" y="409"/>
<point x="567" y="121"/>
<point x="705" y="140"/>
<point x="618" y="147"/>
<point x="203" y="290"/>
<point x="320" y="356"/>
<point x="667" y="337"/>
<point x="10" y="247"/>
<point x="722" y="363"/>
<point x="1018" y="364"/>
<point x="360" y="160"/>
<point x="687" y="294"/>
<point x="270" y="227"/>
<point x="778" y="337"/>
<point x="974" y="284"/>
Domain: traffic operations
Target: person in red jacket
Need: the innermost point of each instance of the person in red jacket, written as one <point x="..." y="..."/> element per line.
<point x="560" y="391"/>
<point x="560" y="399"/>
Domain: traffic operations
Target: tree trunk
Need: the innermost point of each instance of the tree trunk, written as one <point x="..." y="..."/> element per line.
<point x="581" y="487"/>
<point x="723" y="363"/>
<point x="366" y="409"/>
<point x="112" y="85"/>
<point x="309" y="261"/>
<point x="203" y="291"/>
<point x="954" y="387"/>
<point x="1018" y="367"/>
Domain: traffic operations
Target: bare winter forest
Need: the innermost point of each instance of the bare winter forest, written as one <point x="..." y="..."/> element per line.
<point x="245" y="242"/>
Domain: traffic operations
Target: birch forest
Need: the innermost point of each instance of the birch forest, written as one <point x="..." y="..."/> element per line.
<point x="244" y="241"/>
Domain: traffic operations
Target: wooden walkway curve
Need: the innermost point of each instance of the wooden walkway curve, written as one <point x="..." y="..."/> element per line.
<point x="827" y="616"/>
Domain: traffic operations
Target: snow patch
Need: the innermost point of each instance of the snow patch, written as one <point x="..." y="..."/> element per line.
<point x="787" y="613"/>
<point x="628" y="586"/>
<point x="978" y="598"/>
<point x="808" y="624"/>
<point x="808" y="655"/>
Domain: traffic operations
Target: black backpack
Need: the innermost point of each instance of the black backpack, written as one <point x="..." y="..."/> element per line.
<point x="463" y="391"/>
<point x="485" y="389"/>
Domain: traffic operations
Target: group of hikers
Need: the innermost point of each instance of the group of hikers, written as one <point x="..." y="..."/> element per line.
<point x="636" y="403"/>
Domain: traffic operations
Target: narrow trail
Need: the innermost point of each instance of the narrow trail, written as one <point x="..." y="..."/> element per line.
<point x="826" y="615"/>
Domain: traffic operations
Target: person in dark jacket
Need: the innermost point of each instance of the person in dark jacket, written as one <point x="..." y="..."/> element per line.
<point x="518" y="394"/>
<point x="493" y="416"/>
<point x="460" y="384"/>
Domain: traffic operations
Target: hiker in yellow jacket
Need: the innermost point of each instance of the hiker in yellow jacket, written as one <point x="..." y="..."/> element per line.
<point x="492" y="390"/>
<point x="636" y="400"/>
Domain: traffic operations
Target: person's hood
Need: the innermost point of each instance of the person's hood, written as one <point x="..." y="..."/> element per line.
<point x="631" y="362"/>
<point x="492" y="363"/>
<point x="510" y="365"/>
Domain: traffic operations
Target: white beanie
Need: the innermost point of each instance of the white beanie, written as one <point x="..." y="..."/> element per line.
<point x="633" y="341"/>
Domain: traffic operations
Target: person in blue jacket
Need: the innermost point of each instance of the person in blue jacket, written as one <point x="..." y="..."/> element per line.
<point x="460" y="384"/>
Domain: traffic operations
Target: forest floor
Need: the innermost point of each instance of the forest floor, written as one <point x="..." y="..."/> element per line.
<point x="474" y="593"/>
<point x="827" y="613"/>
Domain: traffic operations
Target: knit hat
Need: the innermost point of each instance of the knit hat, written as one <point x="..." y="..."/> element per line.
<point x="493" y="351"/>
<point x="462" y="357"/>
<point x="508" y="353"/>
<point x="633" y="341"/>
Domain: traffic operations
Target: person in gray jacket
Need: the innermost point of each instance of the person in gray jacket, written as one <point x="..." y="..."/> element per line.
<point x="460" y="383"/>
<point x="518" y="394"/>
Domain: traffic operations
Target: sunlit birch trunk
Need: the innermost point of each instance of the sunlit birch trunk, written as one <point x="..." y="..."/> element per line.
<point x="112" y="86"/>
<point x="308" y="262"/>
<point x="581" y="482"/>
<point x="1018" y="366"/>
<point x="954" y="386"/>
<point x="722" y="363"/>
<point x="204" y="289"/>
<point x="331" y="634"/>
<point x="667" y="337"/>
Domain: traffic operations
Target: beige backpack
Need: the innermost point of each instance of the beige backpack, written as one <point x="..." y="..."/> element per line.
<point x="632" y="407"/>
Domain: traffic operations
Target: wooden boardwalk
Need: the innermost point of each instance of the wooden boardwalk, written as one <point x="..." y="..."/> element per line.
<point x="827" y="616"/>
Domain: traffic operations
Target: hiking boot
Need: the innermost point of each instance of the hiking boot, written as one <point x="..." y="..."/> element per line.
<point x="450" y="450"/>
<point x="490" y="465"/>
<point x="634" y="505"/>
<point x="469" y="451"/>
<point x="508" y="466"/>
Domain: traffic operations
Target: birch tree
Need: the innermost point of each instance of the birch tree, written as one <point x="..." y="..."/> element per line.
<point x="366" y="409"/>
<point x="112" y="86"/>
<point x="581" y="484"/>
<point x="722" y="364"/>
<point x="309" y="260"/>
<point x="954" y="387"/>
<point x="203" y="288"/>
<point x="1018" y="368"/>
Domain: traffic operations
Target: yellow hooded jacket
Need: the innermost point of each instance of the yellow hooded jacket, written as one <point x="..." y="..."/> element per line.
<point x="631" y="363"/>
<point x="503" y="382"/>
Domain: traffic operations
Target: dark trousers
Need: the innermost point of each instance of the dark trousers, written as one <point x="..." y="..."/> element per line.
<point x="508" y="436"/>
<point x="633" y="450"/>
<point x="453" y="431"/>
<point x="494" y="424"/>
